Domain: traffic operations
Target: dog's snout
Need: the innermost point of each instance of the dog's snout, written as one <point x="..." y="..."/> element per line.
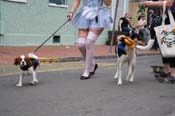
<point x="23" y="62"/>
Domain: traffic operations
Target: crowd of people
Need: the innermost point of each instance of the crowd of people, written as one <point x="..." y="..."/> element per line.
<point x="125" y="25"/>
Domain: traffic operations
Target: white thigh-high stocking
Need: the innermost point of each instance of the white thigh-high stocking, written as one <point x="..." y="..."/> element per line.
<point x="81" y="44"/>
<point x="90" y="61"/>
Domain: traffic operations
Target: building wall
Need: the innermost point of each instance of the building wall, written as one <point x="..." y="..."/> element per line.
<point x="33" y="22"/>
<point x="133" y="8"/>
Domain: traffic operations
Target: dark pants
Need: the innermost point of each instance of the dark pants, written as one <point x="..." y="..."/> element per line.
<point x="126" y="29"/>
<point x="170" y="61"/>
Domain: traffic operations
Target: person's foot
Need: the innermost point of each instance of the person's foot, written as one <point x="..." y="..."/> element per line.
<point x="84" y="77"/>
<point x="95" y="68"/>
<point x="169" y="79"/>
<point x="161" y="76"/>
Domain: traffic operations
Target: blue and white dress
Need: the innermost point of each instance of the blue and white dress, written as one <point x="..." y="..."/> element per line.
<point x="92" y="16"/>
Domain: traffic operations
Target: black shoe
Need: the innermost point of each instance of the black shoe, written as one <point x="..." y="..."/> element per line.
<point x="84" y="77"/>
<point x="95" y="68"/>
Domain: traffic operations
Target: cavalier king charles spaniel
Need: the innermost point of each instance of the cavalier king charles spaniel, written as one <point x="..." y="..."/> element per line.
<point x="27" y="63"/>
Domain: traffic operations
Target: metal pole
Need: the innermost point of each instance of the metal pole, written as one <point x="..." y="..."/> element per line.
<point x="113" y="30"/>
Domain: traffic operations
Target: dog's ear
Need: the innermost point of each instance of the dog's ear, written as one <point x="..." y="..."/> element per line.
<point x="17" y="61"/>
<point x="28" y="60"/>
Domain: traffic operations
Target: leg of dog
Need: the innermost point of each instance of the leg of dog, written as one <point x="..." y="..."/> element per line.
<point x="120" y="74"/>
<point x="20" y="80"/>
<point x="131" y="71"/>
<point x="120" y="64"/>
<point x="117" y="70"/>
<point x="35" y="80"/>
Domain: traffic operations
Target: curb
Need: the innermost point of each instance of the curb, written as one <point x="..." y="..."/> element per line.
<point x="71" y="59"/>
<point x="49" y="60"/>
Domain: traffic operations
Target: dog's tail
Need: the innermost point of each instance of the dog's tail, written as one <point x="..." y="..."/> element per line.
<point x="146" y="47"/>
<point x="31" y="55"/>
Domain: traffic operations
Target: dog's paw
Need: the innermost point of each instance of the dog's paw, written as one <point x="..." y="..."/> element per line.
<point x="115" y="77"/>
<point x="18" y="85"/>
<point x="34" y="82"/>
<point x="119" y="84"/>
<point x="131" y="80"/>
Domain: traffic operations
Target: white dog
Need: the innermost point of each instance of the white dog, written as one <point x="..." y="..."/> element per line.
<point x="126" y="53"/>
<point x="27" y="64"/>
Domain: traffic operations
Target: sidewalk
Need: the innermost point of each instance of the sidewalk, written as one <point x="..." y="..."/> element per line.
<point x="57" y="53"/>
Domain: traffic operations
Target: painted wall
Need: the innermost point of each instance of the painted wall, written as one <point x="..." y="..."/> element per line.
<point x="33" y="22"/>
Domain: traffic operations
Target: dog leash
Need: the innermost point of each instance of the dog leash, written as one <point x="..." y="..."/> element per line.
<point x="50" y="36"/>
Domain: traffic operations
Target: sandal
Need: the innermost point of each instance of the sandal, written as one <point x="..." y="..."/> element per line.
<point x="161" y="76"/>
<point x="169" y="79"/>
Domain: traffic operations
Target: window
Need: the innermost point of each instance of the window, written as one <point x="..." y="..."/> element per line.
<point x="17" y="0"/>
<point x="59" y="3"/>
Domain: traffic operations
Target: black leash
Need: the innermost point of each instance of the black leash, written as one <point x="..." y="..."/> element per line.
<point x="50" y="37"/>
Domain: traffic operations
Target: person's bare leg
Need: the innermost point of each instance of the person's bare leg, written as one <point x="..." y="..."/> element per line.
<point x="167" y="68"/>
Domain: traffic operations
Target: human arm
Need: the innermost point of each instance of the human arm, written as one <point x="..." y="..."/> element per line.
<point x="107" y="2"/>
<point x="120" y="24"/>
<point x="73" y="9"/>
<point x="169" y="3"/>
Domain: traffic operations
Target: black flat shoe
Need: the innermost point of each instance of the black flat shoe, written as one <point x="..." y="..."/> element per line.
<point x="84" y="77"/>
<point x="95" y="68"/>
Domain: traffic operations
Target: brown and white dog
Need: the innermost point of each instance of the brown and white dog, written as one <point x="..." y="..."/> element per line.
<point x="27" y="63"/>
<point x="126" y="52"/>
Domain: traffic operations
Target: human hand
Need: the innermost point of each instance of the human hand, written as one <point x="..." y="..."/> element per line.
<point x="70" y="16"/>
<point x="146" y="3"/>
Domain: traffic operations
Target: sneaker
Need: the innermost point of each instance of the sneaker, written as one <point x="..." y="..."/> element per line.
<point x="169" y="79"/>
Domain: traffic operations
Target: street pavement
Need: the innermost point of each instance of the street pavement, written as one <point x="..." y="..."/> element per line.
<point x="60" y="92"/>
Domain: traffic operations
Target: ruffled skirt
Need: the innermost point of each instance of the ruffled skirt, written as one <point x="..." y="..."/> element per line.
<point x="103" y="20"/>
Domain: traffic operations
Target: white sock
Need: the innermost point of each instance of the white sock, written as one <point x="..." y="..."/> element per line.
<point x="81" y="44"/>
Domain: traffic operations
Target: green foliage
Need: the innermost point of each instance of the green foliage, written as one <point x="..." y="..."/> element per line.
<point x="108" y="41"/>
<point x="141" y="10"/>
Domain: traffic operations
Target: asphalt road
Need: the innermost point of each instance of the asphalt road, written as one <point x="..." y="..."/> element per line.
<point x="61" y="92"/>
